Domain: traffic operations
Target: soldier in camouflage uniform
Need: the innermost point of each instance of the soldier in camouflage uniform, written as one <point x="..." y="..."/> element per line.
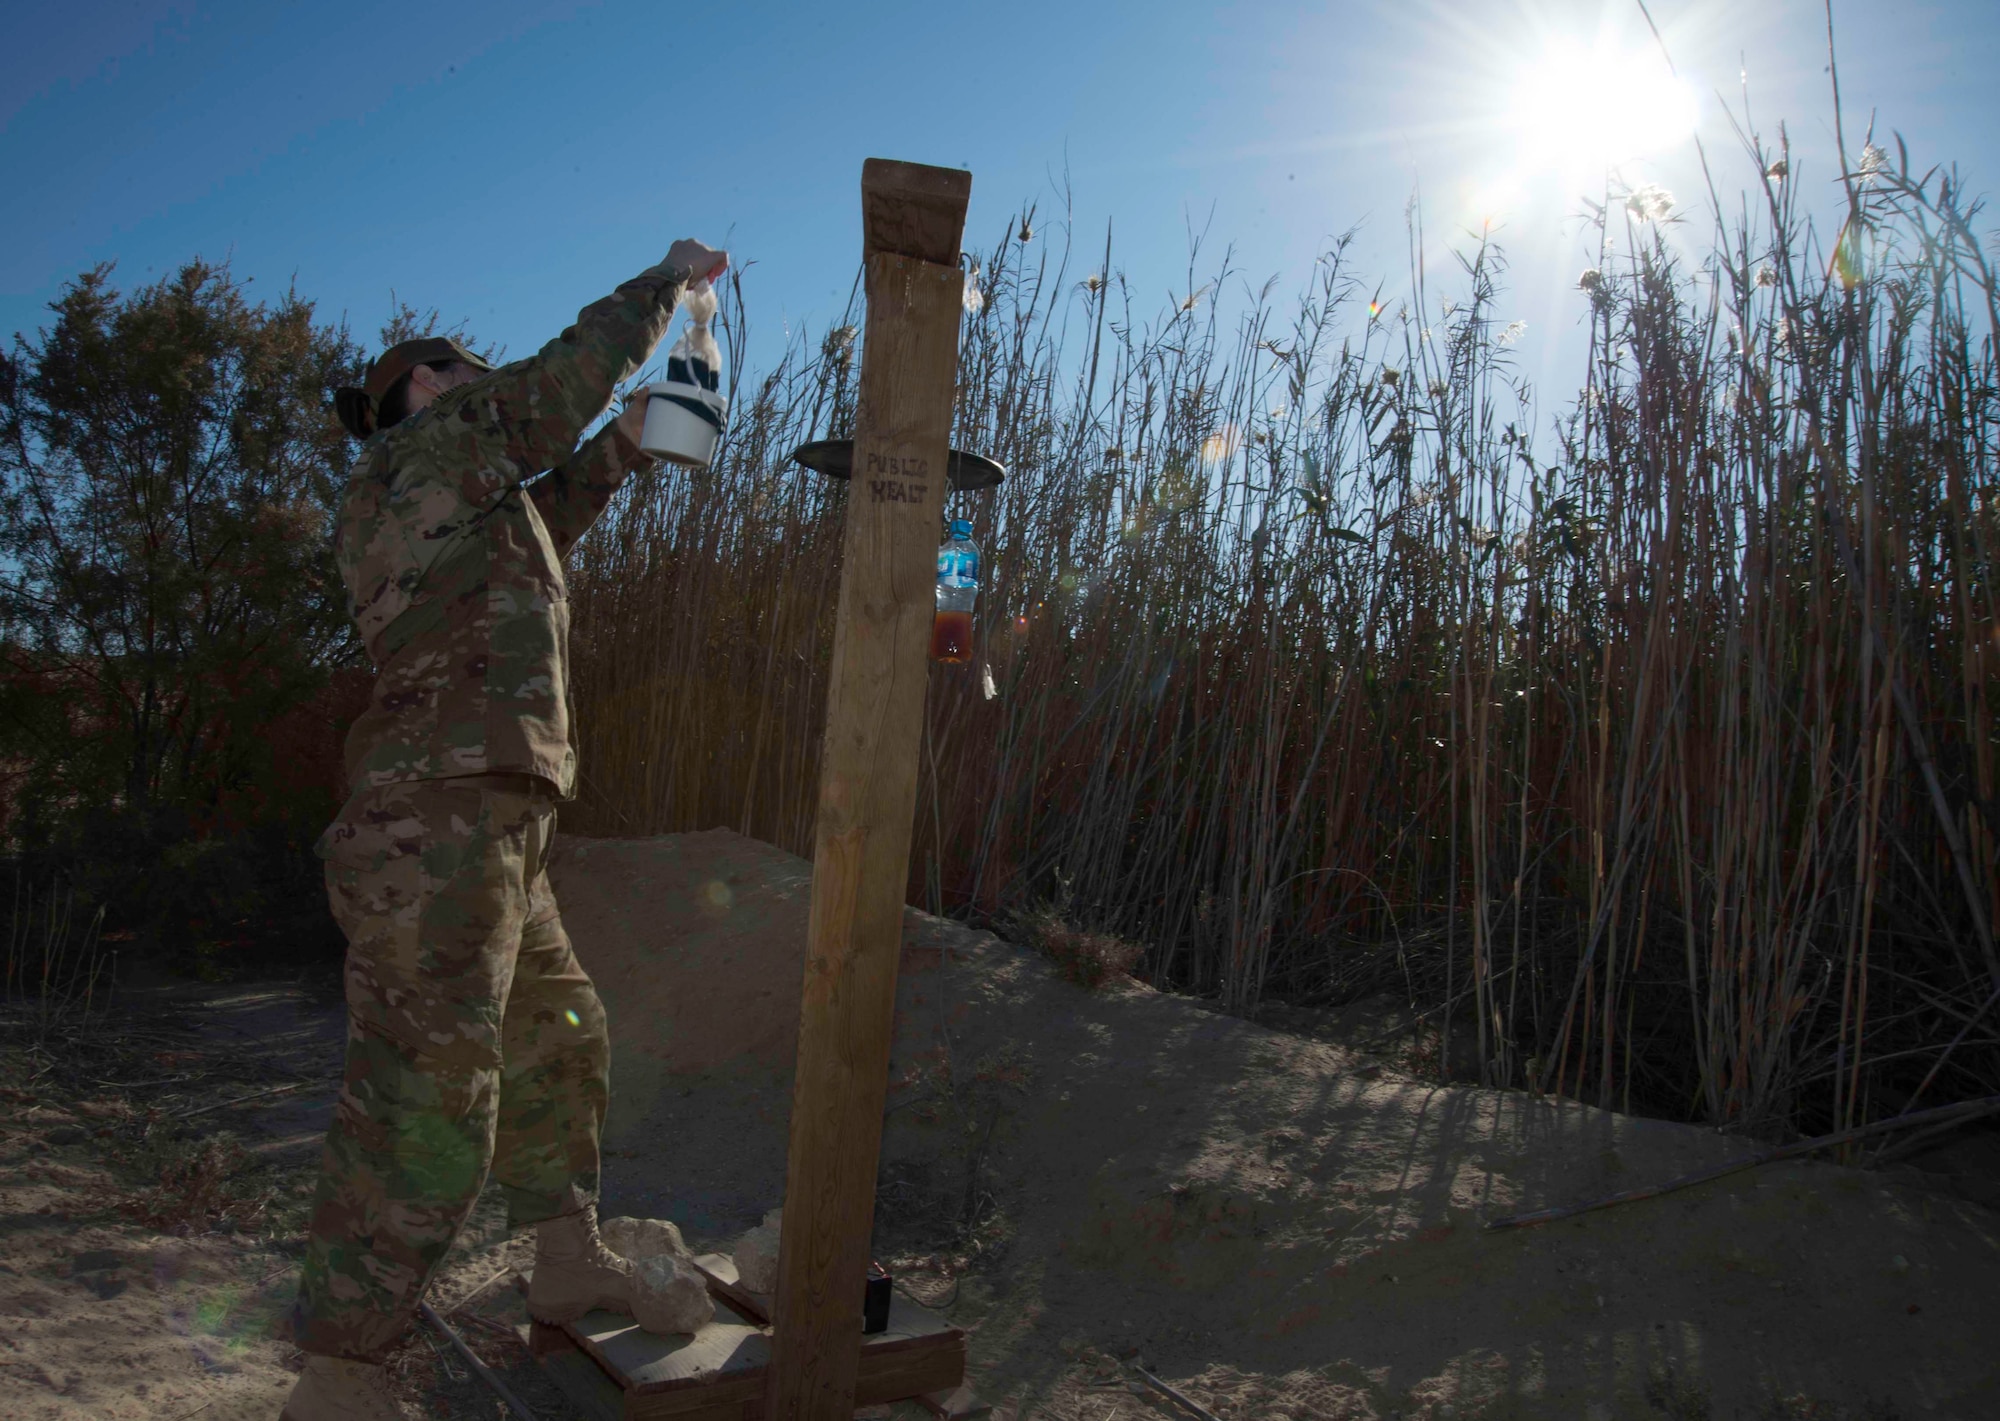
<point x="475" y="1042"/>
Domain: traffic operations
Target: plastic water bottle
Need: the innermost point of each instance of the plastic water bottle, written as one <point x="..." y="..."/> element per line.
<point x="957" y="590"/>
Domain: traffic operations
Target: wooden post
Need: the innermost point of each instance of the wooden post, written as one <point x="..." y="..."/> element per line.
<point x="912" y="220"/>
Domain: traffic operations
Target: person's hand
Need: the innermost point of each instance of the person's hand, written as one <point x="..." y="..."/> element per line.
<point x="704" y="261"/>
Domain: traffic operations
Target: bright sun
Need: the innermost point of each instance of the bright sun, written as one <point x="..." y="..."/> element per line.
<point x="1579" y="109"/>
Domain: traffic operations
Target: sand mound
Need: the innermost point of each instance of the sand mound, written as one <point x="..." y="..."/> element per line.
<point x="1281" y="1222"/>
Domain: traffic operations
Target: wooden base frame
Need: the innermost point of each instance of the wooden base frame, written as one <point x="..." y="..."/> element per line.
<point x="614" y="1370"/>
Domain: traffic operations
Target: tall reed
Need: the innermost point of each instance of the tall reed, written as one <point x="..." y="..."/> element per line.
<point x="1649" y="743"/>
<point x="56" y="971"/>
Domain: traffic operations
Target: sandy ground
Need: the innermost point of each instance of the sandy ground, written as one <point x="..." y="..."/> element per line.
<point x="1282" y="1226"/>
<point x="155" y="1174"/>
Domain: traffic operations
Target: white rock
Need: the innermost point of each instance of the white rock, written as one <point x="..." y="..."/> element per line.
<point x="757" y="1254"/>
<point x="643" y="1238"/>
<point x="669" y="1295"/>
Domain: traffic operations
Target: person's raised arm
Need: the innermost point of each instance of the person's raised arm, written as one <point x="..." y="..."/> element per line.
<point x="491" y="435"/>
<point x="573" y="495"/>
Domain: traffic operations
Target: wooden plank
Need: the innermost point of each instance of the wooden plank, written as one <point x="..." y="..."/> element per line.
<point x="913" y="210"/>
<point x="545" y="1339"/>
<point x="720" y="1271"/>
<point x="958" y="1404"/>
<point x="911" y="1324"/>
<point x="645" y="1361"/>
<point x="713" y="1377"/>
<point x="909" y="1321"/>
<point x="868" y="785"/>
<point x="615" y="1371"/>
<point x="584" y="1383"/>
<point x="914" y="1373"/>
<point x="639" y="1360"/>
<point x="576" y="1376"/>
<point x="894" y="1376"/>
<point x="938" y="1355"/>
<point x="738" y="1399"/>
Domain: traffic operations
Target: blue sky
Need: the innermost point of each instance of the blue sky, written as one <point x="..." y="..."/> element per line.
<point x="509" y="161"/>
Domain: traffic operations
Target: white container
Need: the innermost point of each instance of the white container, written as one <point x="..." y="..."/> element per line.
<point x="683" y="423"/>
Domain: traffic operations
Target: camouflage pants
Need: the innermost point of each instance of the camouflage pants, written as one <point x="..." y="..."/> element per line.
<point x="474" y="1041"/>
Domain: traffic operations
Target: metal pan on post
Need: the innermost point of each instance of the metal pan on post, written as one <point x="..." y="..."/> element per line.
<point x="834" y="458"/>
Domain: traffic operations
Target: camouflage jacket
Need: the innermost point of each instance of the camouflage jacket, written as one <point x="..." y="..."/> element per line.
<point x="452" y="558"/>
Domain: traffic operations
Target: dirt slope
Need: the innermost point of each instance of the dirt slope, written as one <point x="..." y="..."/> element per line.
<point x="1286" y="1226"/>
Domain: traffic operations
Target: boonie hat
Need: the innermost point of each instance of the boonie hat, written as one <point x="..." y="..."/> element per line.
<point x="356" y="407"/>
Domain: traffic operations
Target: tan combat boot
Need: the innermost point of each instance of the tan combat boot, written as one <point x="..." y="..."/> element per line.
<point x="574" y="1272"/>
<point x="335" y="1389"/>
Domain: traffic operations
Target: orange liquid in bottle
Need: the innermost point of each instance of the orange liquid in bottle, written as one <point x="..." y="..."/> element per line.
<point x="951" y="637"/>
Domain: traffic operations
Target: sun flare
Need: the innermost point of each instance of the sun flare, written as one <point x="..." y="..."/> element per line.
<point x="1579" y="108"/>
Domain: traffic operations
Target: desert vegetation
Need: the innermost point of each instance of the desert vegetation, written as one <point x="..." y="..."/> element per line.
<point x="171" y="629"/>
<point x="177" y="670"/>
<point x="1642" y="741"/>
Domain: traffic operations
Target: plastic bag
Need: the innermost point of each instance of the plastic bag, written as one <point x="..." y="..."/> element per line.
<point x="684" y="412"/>
<point x="695" y="358"/>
